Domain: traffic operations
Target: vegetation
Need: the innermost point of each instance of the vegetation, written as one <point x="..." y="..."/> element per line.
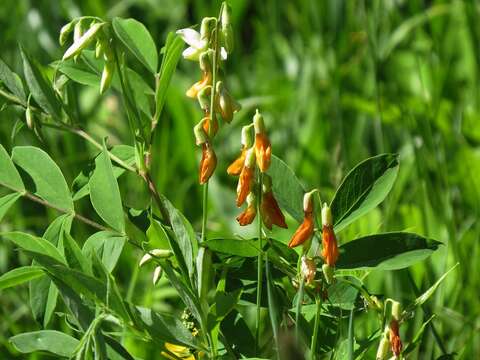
<point x="314" y="195"/>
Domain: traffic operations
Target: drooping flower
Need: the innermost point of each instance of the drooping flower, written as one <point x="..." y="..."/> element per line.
<point x="247" y="216"/>
<point x="271" y="213"/>
<point x="206" y="121"/>
<point x="236" y="166"/>
<point x="246" y="177"/>
<point x="395" y="341"/>
<point x="329" y="240"/>
<point x="208" y="163"/>
<point x="263" y="148"/>
<point x="305" y="230"/>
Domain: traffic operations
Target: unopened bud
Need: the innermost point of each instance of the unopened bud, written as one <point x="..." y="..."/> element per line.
<point x="29" y="119"/>
<point x="98" y="49"/>
<point x="107" y="76"/>
<point x="65" y="31"/>
<point x="208" y="24"/>
<point x="383" y="346"/>
<point x="328" y="273"/>
<point x="155" y="253"/>
<point x="83" y="41"/>
<point x="226" y="15"/>
<point x="157" y="274"/>
<point x="326" y="215"/>
<point x="203" y="97"/>
<point x="308" y="201"/>
<point x="247" y="139"/>
<point x="258" y="123"/>
<point x="79" y="29"/>
<point x="227" y="29"/>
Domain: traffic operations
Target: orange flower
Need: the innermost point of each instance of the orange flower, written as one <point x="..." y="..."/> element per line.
<point x="236" y="166"/>
<point x="250" y="212"/>
<point x="244" y="184"/>
<point x="208" y="163"/>
<point x="199" y="85"/>
<point x="263" y="151"/>
<point x="304" y="231"/>
<point x="271" y="213"/>
<point x="395" y="341"/>
<point x="329" y="244"/>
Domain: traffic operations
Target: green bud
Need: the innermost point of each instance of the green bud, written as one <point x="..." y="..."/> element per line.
<point x="79" y="29"/>
<point x="247" y="139"/>
<point x="157" y="275"/>
<point x="29" y="119"/>
<point x="328" y="273"/>
<point x="158" y="253"/>
<point x="326" y="215"/>
<point x="65" y="31"/>
<point x="396" y="310"/>
<point x="107" y="76"/>
<point x="258" y="123"/>
<point x="81" y="43"/>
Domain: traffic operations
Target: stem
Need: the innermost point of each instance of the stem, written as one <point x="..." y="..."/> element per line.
<point x="313" y="345"/>
<point x="259" y="262"/>
<point x="299" y="309"/>
<point x="350" y="336"/>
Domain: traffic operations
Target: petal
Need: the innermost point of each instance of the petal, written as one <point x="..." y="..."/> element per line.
<point x="191" y="53"/>
<point x="223" y="54"/>
<point x="190" y="36"/>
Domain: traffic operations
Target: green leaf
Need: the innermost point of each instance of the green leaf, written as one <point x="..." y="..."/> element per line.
<point x="427" y="294"/>
<point x="387" y="251"/>
<point x="6" y="202"/>
<point x="171" y="55"/>
<point x="19" y="276"/>
<point x="9" y="175"/>
<point x="54" y="342"/>
<point x="34" y="245"/>
<point x="41" y="90"/>
<point x="287" y="188"/>
<point x="105" y="194"/>
<point x="135" y="36"/>
<point x="364" y="187"/>
<point x="12" y="82"/>
<point x="49" y="182"/>
<point x="107" y="245"/>
<point x="75" y="257"/>
<point x="237" y="247"/>
<point x="184" y="235"/>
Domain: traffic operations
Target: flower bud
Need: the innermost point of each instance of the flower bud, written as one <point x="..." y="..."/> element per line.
<point x="383" y="346"/>
<point x="328" y="273"/>
<point x="263" y="149"/>
<point x="157" y="274"/>
<point x="250" y="212"/>
<point x="258" y="123"/>
<point x="155" y="253"/>
<point x="227" y="28"/>
<point x="206" y="27"/>
<point x="65" y="31"/>
<point x="225" y="17"/>
<point x="107" y="76"/>
<point x="207" y="164"/>
<point x="79" y="29"/>
<point x="247" y="140"/>
<point x="29" y="119"/>
<point x="81" y="43"/>
<point x="203" y="97"/>
<point x="308" y="202"/>
<point x="309" y="269"/>
<point x="246" y="177"/>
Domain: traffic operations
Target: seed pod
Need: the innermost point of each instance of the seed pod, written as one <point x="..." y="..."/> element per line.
<point x="157" y="274"/>
<point x="83" y="41"/>
<point x="65" y="31"/>
<point x="107" y="76"/>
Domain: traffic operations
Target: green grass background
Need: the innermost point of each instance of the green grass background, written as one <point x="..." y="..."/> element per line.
<point x="337" y="81"/>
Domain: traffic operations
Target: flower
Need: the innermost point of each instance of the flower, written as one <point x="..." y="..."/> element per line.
<point x="271" y="213"/>
<point x="208" y="163"/>
<point x="236" y="166"/>
<point x="250" y="212"/>
<point x="206" y="125"/>
<point x="179" y="351"/>
<point x="395" y="341"/>
<point x="263" y="149"/>
<point x="246" y="177"/>
<point x="305" y="230"/>
<point x="199" y="85"/>
<point x="329" y="240"/>
<point x="196" y="44"/>
<point x="309" y="269"/>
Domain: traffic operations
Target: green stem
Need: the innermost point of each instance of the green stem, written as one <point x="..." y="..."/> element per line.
<point x="259" y="263"/>
<point x="350" y="336"/>
<point x="313" y="345"/>
<point x="298" y="311"/>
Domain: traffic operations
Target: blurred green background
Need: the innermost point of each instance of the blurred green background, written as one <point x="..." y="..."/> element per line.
<point x="337" y="81"/>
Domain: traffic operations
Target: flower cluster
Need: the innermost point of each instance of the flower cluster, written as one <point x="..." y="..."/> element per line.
<point x="209" y="47"/>
<point x="256" y="154"/>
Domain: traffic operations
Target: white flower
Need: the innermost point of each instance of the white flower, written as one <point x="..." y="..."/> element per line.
<point x="196" y="44"/>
